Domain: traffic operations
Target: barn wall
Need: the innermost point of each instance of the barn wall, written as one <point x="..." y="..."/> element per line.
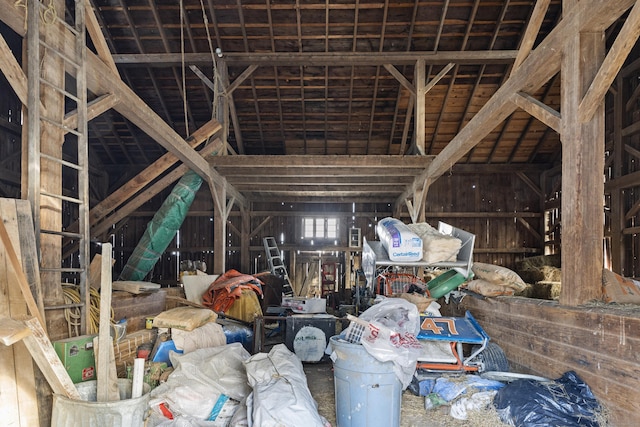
<point x="500" y="209"/>
<point x="542" y="338"/>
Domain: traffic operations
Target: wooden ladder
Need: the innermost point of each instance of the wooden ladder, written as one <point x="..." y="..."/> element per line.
<point x="69" y="131"/>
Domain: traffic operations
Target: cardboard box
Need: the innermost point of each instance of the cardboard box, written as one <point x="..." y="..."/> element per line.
<point x="77" y="356"/>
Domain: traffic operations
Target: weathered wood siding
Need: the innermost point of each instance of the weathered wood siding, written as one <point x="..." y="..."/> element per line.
<point x="602" y="344"/>
<point x="494" y="207"/>
<point x="501" y="209"/>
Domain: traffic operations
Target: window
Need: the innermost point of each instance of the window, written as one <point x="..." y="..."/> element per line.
<point x="319" y="228"/>
<point x="308" y="228"/>
<point x="332" y="228"/>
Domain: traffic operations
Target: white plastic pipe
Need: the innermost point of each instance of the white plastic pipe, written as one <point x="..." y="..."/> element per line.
<point x="138" y="376"/>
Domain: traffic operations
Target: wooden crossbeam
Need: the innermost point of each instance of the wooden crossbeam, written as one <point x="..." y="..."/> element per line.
<point x="141" y="198"/>
<point x="126" y="191"/>
<point x="341" y="59"/>
<point x="537" y="109"/>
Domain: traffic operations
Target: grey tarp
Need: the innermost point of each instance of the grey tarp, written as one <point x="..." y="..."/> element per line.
<point x="162" y="228"/>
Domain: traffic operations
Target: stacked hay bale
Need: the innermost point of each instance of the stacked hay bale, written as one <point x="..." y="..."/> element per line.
<point x="544" y="274"/>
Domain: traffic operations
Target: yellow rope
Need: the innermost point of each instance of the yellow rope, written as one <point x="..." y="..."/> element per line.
<point x="72" y="315"/>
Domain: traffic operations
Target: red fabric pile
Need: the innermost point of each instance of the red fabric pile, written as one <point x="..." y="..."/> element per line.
<point x="226" y="289"/>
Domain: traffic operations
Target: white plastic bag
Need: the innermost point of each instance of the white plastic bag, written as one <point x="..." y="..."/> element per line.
<point x="201" y="379"/>
<point x="476" y="402"/>
<point x="393" y="325"/>
<point x="280" y="397"/>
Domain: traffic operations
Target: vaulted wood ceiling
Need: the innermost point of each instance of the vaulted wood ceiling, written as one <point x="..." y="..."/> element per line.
<point x="317" y="77"/>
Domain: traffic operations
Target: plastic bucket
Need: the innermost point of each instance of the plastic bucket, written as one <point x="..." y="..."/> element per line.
<point x="367" y="391"/>
<point x="125" y="412"/>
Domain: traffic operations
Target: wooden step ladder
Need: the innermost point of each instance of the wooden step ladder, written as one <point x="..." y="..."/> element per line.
<point x="277" y="267"/>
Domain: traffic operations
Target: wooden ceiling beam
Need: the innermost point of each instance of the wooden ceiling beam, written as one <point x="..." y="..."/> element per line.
<point x="288" y="198"/>
<point x="338" y="59"/>
<point x="321" y="189"/>
<point x="235" y="174"/>
<point x="384" y="195"/>
<point x="322" y="161"/>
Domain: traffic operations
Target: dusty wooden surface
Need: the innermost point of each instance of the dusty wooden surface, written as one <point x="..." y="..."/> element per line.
<point x="599" y="342"/>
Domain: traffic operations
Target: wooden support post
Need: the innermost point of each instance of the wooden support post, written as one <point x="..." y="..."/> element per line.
<point x="419" y="83"/>
<point x="245" y="229"/>
<point x="617" y="207"/>
<point x="219" y="227"/>
<point x="582" y="168"/>
<point x="51" y="141"/>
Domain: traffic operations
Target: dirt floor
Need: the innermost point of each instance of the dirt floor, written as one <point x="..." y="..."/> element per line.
<point x="412" y="412"/>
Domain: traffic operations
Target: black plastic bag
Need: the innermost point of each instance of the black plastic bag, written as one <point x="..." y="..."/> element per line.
<point x="566" y="402"/>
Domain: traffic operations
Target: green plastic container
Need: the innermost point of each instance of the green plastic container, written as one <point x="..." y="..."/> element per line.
<point x="445" y="283"/>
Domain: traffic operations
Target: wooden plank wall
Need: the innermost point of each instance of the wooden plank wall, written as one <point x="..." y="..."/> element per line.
<point x="602" y="344"/>
<point x="19" y="403"/>
<point x="481" y="204"/>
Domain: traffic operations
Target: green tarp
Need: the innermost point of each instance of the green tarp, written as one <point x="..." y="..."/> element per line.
<point x="162" y="228"/>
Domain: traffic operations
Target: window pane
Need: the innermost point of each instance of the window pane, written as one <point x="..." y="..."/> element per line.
<point x="332" y="228"/>
<point x="307" y="224"/>
<point x="319" y="228"/>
